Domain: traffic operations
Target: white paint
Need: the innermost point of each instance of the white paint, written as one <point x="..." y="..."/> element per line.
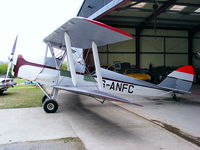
<point x="132" y="90"/>
<point x="70" y="59"/>
<point x="182" y="75"/>
<point x="48" y="76"/>
<point x="97" y="65"/>
<point x="29" y="72"/>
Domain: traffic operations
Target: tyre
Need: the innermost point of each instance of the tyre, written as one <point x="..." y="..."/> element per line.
<point x="1" y="92"/>
<point x="50" y="106"/>
<point x="44" y="98"/>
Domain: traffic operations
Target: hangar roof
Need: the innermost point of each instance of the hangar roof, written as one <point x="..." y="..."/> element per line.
<point x="140" y="14"/>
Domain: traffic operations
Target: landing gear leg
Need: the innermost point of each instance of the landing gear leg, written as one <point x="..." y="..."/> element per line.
<point x="49" y="101"/>
<point x="44" y="99"/>
<point x="174" y="97"/>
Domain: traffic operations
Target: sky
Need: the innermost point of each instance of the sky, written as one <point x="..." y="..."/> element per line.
<point x="32" y="21"/>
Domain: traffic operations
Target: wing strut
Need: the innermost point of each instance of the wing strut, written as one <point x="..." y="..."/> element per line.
<point x="46" y="52"/>
<point x="53" y="55"/>
<point x="70" y="59"/>
<point x="97" y="65"/>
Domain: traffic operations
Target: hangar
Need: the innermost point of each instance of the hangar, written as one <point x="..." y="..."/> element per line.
<point x="166" y="32"/>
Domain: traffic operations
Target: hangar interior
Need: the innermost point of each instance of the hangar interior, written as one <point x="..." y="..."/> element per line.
<point x="166" y="32"/>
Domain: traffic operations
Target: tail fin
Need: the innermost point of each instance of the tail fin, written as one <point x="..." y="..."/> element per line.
<point x="179" y="80"/>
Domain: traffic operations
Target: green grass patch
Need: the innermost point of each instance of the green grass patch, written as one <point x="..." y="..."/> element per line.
<point x="3" y="68"/>
<point x="21" y="96"/>
<point x="19" y="81"/>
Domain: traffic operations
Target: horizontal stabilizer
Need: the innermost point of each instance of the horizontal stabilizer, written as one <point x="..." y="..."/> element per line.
<point x="177" y="90"/>
<point x="95" y="94"/>
<point x="83" y="31"/>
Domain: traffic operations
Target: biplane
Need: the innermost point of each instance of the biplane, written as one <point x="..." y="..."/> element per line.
<point x="102" y="84"/>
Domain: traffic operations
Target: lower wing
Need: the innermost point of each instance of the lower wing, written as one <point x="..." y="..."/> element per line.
<point x="95" y="94"/>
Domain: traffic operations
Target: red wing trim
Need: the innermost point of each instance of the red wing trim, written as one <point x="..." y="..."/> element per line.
<point x="109" y="27"/>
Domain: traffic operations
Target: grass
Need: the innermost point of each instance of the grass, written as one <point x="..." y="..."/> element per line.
<point x="3" y="69"/>
<point x="21" y="96"/>
<point x="18" y="80"/>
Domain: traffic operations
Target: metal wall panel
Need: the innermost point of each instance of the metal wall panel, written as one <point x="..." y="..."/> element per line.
<point x="152" y="44"/>
<point x="154" y="59"/>
<point x="176" y="60"/>
<point x="122" y="58"/>
<point x="176" y="45"/>
<point x="126" y="46"/>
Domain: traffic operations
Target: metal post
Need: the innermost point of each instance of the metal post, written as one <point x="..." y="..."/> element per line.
<point x="164" y="48"/>
<point x="97" y="65"/>
<point x="190" y="47"/>
<point x="137" y="45"/>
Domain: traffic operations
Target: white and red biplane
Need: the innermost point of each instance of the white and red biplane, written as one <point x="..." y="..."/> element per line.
<point x="103" y="84"/>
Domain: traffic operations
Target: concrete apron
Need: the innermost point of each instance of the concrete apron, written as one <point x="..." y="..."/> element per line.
<point x="179" y="117"/>
<point x="98" y="126"/>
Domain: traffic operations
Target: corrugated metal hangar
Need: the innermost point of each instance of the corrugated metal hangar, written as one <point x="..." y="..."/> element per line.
<point x="166" y="31"/>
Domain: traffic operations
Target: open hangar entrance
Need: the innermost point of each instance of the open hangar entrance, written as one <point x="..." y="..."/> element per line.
<point x="166" y="32"/>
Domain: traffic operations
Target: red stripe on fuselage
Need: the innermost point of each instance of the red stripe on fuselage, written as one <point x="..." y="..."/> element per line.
<point x="21" y="62"/>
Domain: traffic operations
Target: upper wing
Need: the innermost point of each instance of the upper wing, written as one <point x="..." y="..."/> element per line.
<point x="96" y="94"/>
<point x="83" y="31"/>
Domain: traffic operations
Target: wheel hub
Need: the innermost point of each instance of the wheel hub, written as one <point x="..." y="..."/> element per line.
<point x="50" y="106"/>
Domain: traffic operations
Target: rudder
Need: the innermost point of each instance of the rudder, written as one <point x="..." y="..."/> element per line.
<point x="179" y="80"/>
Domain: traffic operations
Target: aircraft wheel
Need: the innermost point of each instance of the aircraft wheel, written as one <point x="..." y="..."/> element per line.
<point x="50" y="106"/>
<point x="44" y="98"/>
<point x="1" y="92"/>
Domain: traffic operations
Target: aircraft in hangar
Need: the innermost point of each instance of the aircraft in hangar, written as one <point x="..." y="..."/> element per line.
<point x="103" y="84"/>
